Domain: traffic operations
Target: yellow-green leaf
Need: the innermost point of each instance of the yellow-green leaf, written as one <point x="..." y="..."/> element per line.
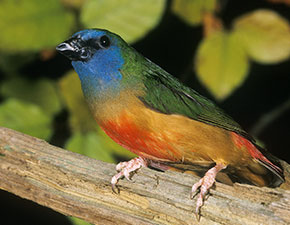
<point x="25" y="117"/>
<point x="265" y="35"/>
<point x="11" y="63"/>
<point x="77" y="221"/>
<point x="192" y="11"/>
<point x="221" y="63"/>
<point x="42" y="92"/>
<point x="28" y="25"/>
<point x="75" y="4"/>
<point x="89" y="144"/>
<point x="130" y="19"/>
<point x="80" y="118"/>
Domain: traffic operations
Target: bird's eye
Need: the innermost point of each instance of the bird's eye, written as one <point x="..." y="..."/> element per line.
<point x="105" y="41"/>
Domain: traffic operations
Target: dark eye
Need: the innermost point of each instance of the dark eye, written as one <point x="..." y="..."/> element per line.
<point x="105" y="41"/>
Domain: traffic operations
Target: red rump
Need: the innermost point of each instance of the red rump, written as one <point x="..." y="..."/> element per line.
<point x="242" y="143"/>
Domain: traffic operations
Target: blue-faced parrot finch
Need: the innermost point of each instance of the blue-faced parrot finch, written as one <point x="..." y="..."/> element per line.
<point x="167" y="124"/>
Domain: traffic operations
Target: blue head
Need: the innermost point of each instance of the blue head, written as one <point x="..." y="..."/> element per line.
<point x="97" y="58"/>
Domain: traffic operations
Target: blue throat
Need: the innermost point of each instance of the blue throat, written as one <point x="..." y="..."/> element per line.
<point x="100" y="76"/>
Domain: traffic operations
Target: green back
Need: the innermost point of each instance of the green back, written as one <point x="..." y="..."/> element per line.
<point x="166" y="94"/>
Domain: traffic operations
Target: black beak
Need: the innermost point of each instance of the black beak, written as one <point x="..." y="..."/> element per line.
<point x="70" y="48"/>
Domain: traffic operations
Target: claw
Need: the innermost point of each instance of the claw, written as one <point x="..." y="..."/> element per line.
<point x="115" y="189"/>
<point x="126" y="169"/>
<point x="204" y="184"/>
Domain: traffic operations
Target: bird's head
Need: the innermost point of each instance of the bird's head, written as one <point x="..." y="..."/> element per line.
<point x="87" y="45"/>
<point x="97" y="56"/>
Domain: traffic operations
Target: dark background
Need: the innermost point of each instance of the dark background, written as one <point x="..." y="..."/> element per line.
<point x="172" y="45"/>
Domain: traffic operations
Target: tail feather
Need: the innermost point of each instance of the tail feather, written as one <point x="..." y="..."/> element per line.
<point x="271" y="163"/>
<point x="264" y="158"/>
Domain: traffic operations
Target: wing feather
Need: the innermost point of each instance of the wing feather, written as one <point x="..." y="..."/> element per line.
<point x="166" y="94"/>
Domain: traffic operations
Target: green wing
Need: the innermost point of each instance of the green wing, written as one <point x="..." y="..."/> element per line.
<point x="166" y="94"/>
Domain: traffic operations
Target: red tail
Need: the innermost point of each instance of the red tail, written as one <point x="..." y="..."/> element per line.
<point x="261" y="155"/>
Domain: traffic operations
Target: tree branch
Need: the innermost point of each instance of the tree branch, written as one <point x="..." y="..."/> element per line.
<point x="79" y="186"/>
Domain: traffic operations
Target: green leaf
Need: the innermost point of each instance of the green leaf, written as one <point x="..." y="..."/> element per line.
<point x="32" y="24"/>
<point x="75" y="4"/>
<point x="89" y="144"/>
<point x="130" y="19"/>
<point x="25" y="117"/>
<point x="77" y="221"/>
<point x="192" y="11"/>
<point x="265" y="35"/>
<point x="42" y="92"/>
<point x="11" y="63"/>
<point x="221" y="63"/>
<point x="80" y="117"/>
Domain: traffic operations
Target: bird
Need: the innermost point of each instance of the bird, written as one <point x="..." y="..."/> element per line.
<point x="165" y="123"/>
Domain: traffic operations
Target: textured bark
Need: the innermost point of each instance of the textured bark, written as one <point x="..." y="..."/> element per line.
<point x="79" y="186"/>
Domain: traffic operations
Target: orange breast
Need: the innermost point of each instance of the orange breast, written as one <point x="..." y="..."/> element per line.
<point x="140" y="140"/>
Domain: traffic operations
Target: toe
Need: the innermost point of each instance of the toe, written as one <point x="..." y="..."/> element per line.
<point x="127" y="174"/>
<point x="115" y="189"/>
<point x="126" y="169"/>
<point x="195" y="187"/>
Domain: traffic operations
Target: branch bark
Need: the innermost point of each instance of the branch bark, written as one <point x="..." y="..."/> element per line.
<point x="79" y="186"/>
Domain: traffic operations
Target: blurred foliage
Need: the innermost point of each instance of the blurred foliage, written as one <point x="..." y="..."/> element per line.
<point x="89" y="144"/>
<point x="28" y="23"/>
<point x="221" y="63"/>
<point x="10" y="63"/>
<point x="41" y="92"/>
<point x="222" y="60"/>
<point x="30" y="30"/>
<point x="25" y="117"/>
<point x="130" y="19"/>
<point x="77" y="221"/>
<point x="192" y="11"/>
<point x="265" y="36"/>
<point x="74" y="4"/>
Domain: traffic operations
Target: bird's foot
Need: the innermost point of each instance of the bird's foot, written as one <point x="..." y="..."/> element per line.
<point x="204" y="184"/>
<point x="126" y="169"/>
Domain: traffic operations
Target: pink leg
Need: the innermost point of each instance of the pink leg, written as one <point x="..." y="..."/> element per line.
<point x="126" y="169"/>
<point x="204" y="184"/>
